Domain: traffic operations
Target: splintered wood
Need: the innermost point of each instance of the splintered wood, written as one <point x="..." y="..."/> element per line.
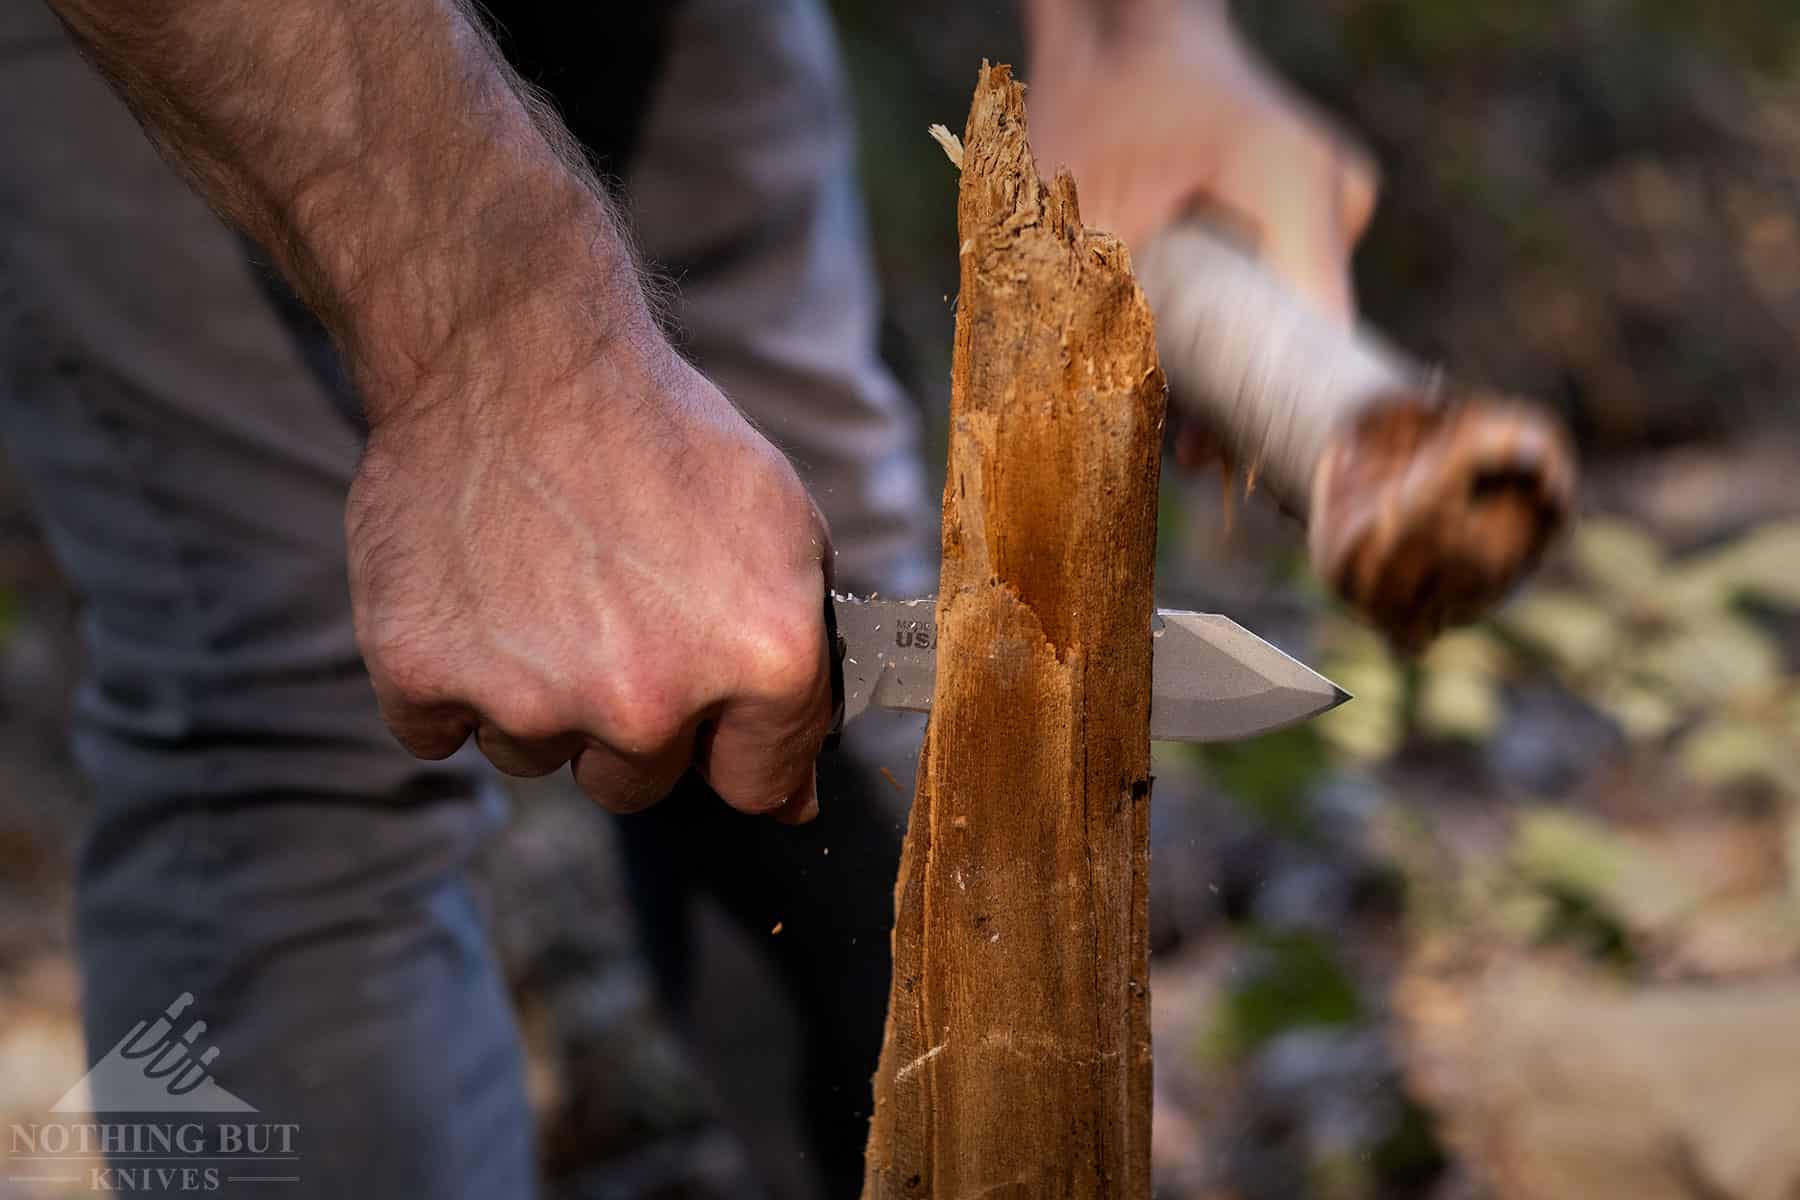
<point x="1016" y="1060"/>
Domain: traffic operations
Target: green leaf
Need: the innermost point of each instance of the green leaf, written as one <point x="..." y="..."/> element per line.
<point x="1617" y="557"/>
<point x="1472" y="651"/>
<point x="1727" y="751"/>
<point x="1763" y="564"/>
<point x="1371" y="726"/>
<point x="1576" y="633"/>
<point x="1521" y="914"/>
<point x="1292" y="981"/>
<point x="1459" y="704"/>
<point x="1697" y="590"/>
<point x="1576" y="857"/>
<point x="1645" y="713"/>
<point x="1711" y="660"/>
<point x="1269" y="775"/>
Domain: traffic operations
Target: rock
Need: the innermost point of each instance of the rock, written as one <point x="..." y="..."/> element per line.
<point x="1302" y="890"/>
<point x="1338" y="1084"/>
<point x="1551" y="741"/>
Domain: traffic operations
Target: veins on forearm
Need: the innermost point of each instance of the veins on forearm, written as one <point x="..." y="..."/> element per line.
<point x="407" y="183"/>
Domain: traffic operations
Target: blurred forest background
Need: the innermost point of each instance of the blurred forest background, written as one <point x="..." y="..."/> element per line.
<point x="1523" y="921"/>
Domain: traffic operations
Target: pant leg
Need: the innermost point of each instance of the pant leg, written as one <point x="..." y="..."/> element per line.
<point x="816" y="902"/>
<point x="743" y="192"/>
<point x="258" y="841"/>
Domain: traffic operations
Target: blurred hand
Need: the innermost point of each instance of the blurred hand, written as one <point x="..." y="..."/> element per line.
<point x="1160" y="108"/>
<point x="605" y="566"/>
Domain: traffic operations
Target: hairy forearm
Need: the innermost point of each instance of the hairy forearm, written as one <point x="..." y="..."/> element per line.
<point x="412" y="190"/>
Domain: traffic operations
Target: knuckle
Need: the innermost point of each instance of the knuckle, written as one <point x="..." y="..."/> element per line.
<point x="786" y="499"/>
<point x="640" y="716"/>
<point x="524" y="714"/>
<point x="787" y="655"/>
<point x="410" y="669"/>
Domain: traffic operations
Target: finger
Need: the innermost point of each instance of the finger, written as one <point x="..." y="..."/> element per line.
<point x="526" y="758"/>
<point x="756" y="768"/>
<point x="804" y="806"/>
<point x="628" y="783"/>
<point x="759" y="754"/>
<point x="427" y="731"/>
<point x="827" y="554"/>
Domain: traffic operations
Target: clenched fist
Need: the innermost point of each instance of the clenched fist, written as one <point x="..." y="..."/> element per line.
<point x="606" y="567"/>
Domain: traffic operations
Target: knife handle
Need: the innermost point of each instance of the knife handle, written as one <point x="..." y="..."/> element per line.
<point x="834" y="651"/>
<point x="1425" y="501"/>
<point x="1256" y="362"/>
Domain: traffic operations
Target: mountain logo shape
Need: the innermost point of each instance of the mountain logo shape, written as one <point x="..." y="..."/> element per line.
<point x="153" y="1069"/>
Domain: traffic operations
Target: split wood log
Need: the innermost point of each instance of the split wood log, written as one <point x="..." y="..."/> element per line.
<point x="1016" y="1059"/>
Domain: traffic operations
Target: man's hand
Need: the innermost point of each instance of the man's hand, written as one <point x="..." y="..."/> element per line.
<point x="610" y="567"/>
<point x="1158" y="107"/>
<point x="1425" y="503"/>
<point x="562" y="538"/>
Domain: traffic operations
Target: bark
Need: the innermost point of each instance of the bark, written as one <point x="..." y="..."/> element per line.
<point x="1016" y="1060"/>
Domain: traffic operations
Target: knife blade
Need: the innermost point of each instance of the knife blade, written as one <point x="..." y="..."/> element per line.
<point x="1212" y="680"/>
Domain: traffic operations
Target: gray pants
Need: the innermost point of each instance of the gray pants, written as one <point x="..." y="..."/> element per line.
<point x="258" y="840"/>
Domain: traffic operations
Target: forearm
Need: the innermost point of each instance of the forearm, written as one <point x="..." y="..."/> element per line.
<point x="390" y="163"/>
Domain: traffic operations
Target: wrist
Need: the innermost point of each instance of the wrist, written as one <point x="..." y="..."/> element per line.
<point x="455" y="234"/>
<point x="533" y="289"/>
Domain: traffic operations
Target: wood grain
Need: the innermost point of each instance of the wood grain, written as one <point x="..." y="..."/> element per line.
<point x="1016" y="1060"/>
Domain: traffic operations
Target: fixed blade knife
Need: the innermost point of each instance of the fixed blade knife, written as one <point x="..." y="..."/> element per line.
<point x="1212" y="680"/>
